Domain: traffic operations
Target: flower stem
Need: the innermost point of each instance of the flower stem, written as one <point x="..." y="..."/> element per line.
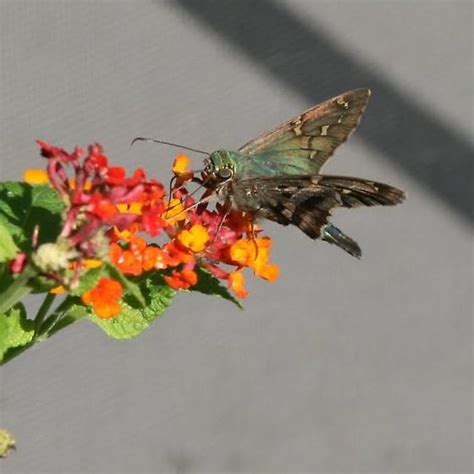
<point x="43" y="310"/>
<point x="54" y="318"/>
<point x="16" y="290"/>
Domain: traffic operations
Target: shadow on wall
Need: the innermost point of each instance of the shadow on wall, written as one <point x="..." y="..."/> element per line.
<point x="299" y="55"/>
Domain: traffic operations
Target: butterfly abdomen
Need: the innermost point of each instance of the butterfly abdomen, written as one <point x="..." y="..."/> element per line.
<point x="333" y="235"/>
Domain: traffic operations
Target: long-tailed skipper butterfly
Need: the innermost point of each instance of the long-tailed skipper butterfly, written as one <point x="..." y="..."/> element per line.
<point x="277" y="175"/>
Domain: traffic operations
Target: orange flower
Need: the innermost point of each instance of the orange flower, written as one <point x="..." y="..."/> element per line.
<point x="263" y="252"/>
<point x="104" y="298"/>
<point x="154" y="257"/>
<point x="183" y="279"/>
<point x="137" y="244"/>
<point x="255" y="254"/>
<point x="268" y="271"/>
<point x="243" y="252"/>
<point x="194" y="239"/>
<point x="181" y="168"/>
<point x="250" y="252"/>
<point x="236" y="282"/>
<point x="125" y="260"/>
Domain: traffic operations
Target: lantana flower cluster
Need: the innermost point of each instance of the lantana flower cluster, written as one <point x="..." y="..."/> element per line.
<point x="131" y="222"/>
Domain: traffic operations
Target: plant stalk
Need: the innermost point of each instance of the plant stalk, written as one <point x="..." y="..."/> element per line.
<point x="17" y="290"/>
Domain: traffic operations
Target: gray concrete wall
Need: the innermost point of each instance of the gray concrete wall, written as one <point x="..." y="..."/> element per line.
<point x="340" y="366"/>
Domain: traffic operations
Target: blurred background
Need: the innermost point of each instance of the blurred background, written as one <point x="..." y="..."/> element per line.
<point x="341" y="365"/>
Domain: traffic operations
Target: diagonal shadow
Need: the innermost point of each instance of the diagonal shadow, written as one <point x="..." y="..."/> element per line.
<point x="304" y="59"/>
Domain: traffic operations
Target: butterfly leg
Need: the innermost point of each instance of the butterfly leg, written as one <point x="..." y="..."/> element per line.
<point x="227" y="209"/>
<point x="253" y="236"/>
<point x="170" y="197"/>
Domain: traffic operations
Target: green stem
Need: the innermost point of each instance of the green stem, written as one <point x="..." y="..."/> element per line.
<point x="51" y="321"/>
<point x="17" y="290"/>
<point x="43" y="310"/>
<point x="55" y="320"/>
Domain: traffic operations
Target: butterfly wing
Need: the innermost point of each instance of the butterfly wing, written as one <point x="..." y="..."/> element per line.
<point x="311" y="137"/>
<point x="307" y="202"/>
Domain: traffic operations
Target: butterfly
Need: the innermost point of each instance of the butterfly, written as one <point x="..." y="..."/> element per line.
<point x="277" y="175"/>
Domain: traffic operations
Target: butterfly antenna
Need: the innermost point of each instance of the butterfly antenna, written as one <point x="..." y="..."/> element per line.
<point x="177" y="145"/>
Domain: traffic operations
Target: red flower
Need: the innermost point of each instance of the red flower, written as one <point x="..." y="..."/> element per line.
<point x="152" y="222"/>
<point x="115" y="175"/>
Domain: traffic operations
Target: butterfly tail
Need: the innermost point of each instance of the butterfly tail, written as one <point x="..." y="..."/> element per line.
<point x="333" y="235"/>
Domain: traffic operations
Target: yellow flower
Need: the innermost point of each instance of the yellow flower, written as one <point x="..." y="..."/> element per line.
<point x="33" y="176"/>
<point x="132" y="208"/>
<point x="194" y="239"/>
<point x="92" y="263"/>
<point x="175" y="212"/>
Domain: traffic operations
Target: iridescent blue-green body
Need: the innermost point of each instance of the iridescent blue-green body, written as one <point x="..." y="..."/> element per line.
<point x="266" y="163"/>
<point x="277" y="176"/>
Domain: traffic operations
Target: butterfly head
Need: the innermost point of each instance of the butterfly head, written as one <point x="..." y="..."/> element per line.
<point x="218" y="168"/>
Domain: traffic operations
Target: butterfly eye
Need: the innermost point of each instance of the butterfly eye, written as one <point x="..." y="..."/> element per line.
<point x="225" y="173"/>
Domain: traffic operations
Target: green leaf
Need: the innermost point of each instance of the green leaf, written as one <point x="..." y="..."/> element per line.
<point x="158" y="295"/>
<point x="210" y="285"/>
<point x="129" y="323"/>
<point x="8" y="249"/>
<point x="15" y="330"/>
<point x="23" y="206"/>
<point x="133" y="320"/>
